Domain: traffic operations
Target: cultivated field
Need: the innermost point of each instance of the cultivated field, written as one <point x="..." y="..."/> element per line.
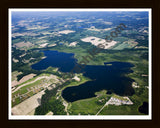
<point x="25" y="78"/>
<point x="92" y="28"/>
<point x="73" y="44"/>
<point x="96" y="41"/>
<point x="66" y="32"/>
<point x="23" y="44"/>
<point x="28" y="105"/>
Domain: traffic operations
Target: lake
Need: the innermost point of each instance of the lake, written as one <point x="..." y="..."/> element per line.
<point x="144" y="108"/>
<point x="111" y="77"/>
<point x="64" y="61"/>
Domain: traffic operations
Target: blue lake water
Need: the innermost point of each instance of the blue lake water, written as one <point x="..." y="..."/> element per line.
<point x="111" y="78"/>
<point x="64" y="61"/>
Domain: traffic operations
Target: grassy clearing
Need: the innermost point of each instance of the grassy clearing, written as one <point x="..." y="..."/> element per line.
<point x="101" y="93"/>
<point x="120" y="110"/>
<point x="84" y="107"/>
<point x="122" y="46"/>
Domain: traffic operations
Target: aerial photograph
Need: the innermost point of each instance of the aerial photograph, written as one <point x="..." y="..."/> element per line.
<point x="79" y="62"/>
